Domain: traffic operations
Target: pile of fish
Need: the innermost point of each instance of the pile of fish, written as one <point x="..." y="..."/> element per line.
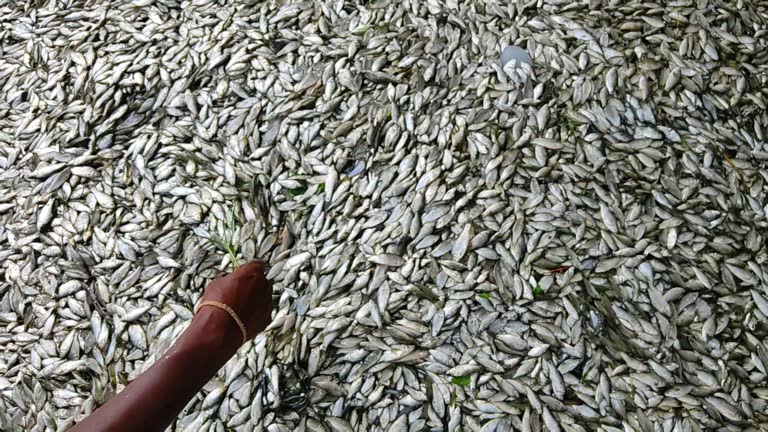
<point x="578" y="243"/>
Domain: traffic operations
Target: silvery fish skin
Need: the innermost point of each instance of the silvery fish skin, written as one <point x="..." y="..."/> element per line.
<point x="575" y="242"/>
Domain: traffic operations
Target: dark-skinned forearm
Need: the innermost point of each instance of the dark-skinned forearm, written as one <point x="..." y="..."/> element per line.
<point x="155" y="398"/>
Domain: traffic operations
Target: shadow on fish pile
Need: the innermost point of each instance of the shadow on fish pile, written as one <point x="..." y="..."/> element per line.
<point x="581" y="248"/>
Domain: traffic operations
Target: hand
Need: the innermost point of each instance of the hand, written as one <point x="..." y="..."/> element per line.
<point x="155" y="398"/>
<point x="248" y="292"/>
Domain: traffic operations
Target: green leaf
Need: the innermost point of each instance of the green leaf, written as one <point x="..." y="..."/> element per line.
<point x="361" y="29"/>
<point x="321" y="188"/>
<point x="461" y="380"/>
<point x="537" y="291"/>
<point x="297" y="191"/>
<point x="484" y="295"/>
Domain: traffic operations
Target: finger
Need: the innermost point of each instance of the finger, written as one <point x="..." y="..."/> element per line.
<point x="248" y="271"/>
<point x="253" y="267"/>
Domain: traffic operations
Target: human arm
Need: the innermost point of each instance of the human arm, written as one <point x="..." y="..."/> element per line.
<point x="154" y="399"/>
